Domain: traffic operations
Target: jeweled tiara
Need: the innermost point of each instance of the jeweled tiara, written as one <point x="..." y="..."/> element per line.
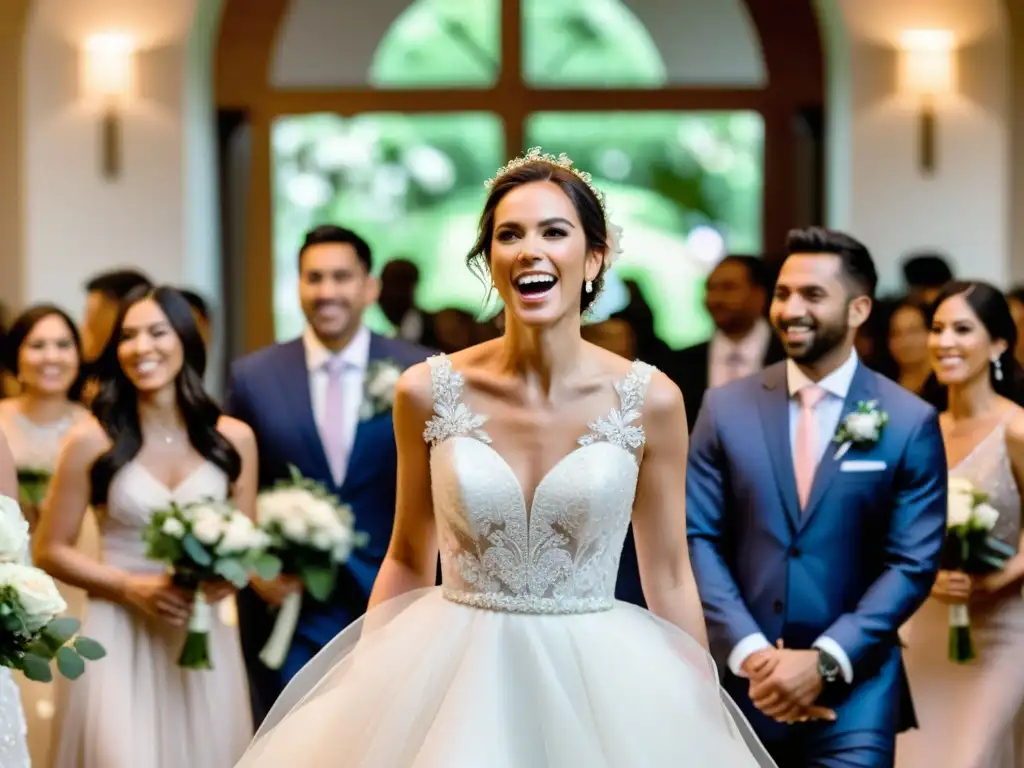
<point x="534" y="155"/>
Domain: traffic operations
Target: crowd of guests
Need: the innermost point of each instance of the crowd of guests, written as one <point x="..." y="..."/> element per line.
<point x="52" y="368"/>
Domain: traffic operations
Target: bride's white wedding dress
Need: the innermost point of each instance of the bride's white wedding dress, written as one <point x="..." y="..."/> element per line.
<point x="13" y="743"/>
<point x="522" y="659"/>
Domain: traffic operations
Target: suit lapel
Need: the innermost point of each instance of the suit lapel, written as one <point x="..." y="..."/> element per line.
<point x="378" y="350"/>
<point x="773" y="403"/>
<point x="862" y="388"/>
<point x="293" y="380"/>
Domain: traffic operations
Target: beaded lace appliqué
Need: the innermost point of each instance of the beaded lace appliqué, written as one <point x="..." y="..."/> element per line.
<point x="617" y="427"/>
<point x="559" y="555"/>
<point x="451" y="417"/>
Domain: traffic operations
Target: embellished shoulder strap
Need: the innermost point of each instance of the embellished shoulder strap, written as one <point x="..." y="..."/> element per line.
<point x="617" y="427"/>
<point x="451" y="416"/>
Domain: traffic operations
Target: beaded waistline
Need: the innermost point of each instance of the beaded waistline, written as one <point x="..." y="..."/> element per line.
<point x="530" y="603"/>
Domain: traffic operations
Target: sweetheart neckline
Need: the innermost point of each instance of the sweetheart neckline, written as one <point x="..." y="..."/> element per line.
<point x="528" y="509"/>
<point x="179" y="485"/>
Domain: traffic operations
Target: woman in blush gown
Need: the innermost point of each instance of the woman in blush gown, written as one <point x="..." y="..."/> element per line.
<point x="156" y="438"/>
<point x="523" y="460"/>
<point x="967" y="713"/>
<point x="44" y="354"/>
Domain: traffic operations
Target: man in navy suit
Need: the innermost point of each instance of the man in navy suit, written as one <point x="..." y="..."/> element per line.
<point x="814" y="536"/>
<point x="316" y="403"/>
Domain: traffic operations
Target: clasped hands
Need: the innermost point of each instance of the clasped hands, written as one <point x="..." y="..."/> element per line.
<point x="785" y="684"/>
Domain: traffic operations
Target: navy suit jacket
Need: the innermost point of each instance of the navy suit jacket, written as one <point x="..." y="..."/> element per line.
<point x="269" y="391"/>
<point x="854" y="565"/>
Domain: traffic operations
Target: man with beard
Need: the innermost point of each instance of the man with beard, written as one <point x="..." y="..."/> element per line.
<point x="322" y="403"/>
<point x="816" y="504"/>
<point x="735" y="296"/>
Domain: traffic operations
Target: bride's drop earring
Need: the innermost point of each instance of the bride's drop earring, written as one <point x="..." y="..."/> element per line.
<point x="997" y="369"/>
<point x="589" y="287"/>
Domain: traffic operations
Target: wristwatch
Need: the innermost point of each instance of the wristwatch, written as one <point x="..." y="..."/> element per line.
<point x="828" y="667"/>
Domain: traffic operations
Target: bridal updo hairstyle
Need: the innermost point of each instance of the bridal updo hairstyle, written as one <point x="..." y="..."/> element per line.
<point x="588" y="208"/>
<point x="116" y="406"/>
<point x="992" y="309"/>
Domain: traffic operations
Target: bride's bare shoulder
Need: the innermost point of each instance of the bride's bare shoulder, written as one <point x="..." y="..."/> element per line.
<point x="661" y="396"/>
<point x="416" y="385"/>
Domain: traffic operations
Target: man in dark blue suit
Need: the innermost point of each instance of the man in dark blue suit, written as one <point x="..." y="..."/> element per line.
<point x="815" y="528"/>
<point x="322" y="403"/>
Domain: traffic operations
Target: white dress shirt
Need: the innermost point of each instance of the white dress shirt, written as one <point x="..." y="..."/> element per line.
<point x="828" y="411"/>
<point x="356" y="356"/>
<point x="729" y="360"/>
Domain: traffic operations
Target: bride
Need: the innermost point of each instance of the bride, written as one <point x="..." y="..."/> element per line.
<point x="523" y="460"/>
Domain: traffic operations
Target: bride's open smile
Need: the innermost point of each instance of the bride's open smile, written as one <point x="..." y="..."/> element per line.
<point x="540" y="258"/>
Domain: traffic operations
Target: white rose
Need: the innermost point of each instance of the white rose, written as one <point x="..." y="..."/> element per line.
<point x="277" y="505"/>
<point x="37" y="593"/>
<point x="239" y="535"/>
<point x="959" y="511"/>
<point x="382" y="387"/>
<point x="985" y="516"/>
<point x="13" y="532"/>
<point x="173" y="527"/>
<point x="322" y="540"/>
<point x="295" y="528"/>
<point x="863" y="427"/>
<point x="961" y="485"/>
<point x="321" y="514"/>
<point x="208" y="528"/>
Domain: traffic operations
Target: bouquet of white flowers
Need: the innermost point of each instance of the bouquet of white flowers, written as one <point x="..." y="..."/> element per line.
<point x="969" y="548"/>
<point x="31" y="634"/>
<point x="204" y="541"/>
<point x="311" y="534"/>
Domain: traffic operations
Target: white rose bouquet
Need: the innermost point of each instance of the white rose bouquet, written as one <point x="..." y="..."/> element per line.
<point x="32" y="633"/>
<point x="311" y="534"/>
<point x="969" y="548"/>
<point x="202" y="542"/>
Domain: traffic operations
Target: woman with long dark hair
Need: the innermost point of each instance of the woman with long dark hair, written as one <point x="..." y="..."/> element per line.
<point x="967" y="713"/>
<point x="156" y="437"/>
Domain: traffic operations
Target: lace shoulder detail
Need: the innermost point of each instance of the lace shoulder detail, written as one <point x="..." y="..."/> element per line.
<point x="617" y="427"/>
<point x="451" y="416"/>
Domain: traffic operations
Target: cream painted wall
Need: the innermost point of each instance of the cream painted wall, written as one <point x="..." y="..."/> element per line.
<point x="878" y="193"/>
<point x="76" y="222"/>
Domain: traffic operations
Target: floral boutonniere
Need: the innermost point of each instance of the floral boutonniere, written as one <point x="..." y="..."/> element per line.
<point x="379" y="390"/>
<point x="862" y="427"/>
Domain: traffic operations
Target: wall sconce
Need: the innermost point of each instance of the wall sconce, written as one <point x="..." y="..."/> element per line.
<point x="108" y="76"/>
<point x="927" y="72"/>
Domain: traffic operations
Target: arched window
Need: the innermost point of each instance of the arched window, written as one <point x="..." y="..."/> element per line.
<point x="395" y="138"/>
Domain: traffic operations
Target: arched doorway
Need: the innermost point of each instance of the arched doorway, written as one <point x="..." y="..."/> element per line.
<point x="494" y="78"/>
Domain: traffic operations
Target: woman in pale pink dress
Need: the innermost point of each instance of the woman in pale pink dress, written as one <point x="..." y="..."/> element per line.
<point x="967" y="713"/>
<point x="156" y="438"/>
<point x="43" y="353"/>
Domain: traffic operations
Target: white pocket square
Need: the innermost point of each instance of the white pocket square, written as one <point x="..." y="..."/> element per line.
<point x="854" y="465"/>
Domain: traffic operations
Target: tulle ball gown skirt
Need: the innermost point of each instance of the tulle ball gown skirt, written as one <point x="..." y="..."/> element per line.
<point x="423" y="682"/>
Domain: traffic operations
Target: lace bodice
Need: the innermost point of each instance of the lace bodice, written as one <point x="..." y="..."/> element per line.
<point x="988" y="467"/>
<point x="562" y="554"/>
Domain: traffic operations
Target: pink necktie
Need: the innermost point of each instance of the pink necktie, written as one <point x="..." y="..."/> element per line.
<point x="333" y="428"/>
<point x="733" y="366"/>
<point x="806" y="441"/>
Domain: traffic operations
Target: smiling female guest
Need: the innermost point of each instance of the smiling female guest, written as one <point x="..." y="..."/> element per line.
<point x="967" y="712"/>
<point x="156" y="438"/>
<point x="44" y="353"/>
<point x="523" y="460"/>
